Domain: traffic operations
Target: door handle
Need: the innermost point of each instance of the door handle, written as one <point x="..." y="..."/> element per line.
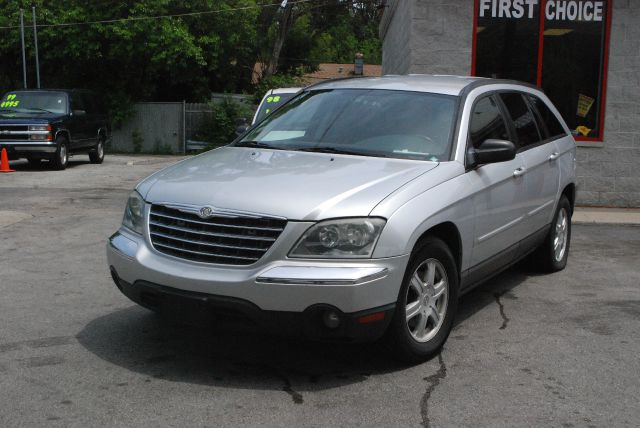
<point x="519" y="172"/>
<point x="554" y="156"/>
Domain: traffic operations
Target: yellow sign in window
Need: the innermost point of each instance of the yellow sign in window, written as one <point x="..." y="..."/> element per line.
<point x="584" y="105"/>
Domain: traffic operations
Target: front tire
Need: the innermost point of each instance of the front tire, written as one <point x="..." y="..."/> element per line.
<point x="96" y="155"/>
<point x="60" y="158"/>
<point x="426" y="305"/>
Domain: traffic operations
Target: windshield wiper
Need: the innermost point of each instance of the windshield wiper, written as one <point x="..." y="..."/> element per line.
<point x="40" y="109"/>
<point x="338" y="151"/>
<point x="257" y="144"/>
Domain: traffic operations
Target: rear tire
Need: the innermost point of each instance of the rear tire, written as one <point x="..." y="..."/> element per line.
<point x="552" y="255"/>
<point x="426" y="305"/>
<point x="60" y="158"/>
<point x="96" y="155"/>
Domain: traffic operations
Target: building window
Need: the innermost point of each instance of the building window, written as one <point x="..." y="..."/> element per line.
<point x="558" y="45"/>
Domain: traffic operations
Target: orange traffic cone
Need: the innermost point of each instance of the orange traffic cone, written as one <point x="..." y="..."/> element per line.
<point x="4" y="162"/>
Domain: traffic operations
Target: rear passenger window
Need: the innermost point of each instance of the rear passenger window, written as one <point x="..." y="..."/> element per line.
<point x="486" y="122"/>
<point x="551" y="123"/>
<point x="522" y="117"/>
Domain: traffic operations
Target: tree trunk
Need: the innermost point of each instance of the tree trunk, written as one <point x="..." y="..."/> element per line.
<point x="286" y="19"/>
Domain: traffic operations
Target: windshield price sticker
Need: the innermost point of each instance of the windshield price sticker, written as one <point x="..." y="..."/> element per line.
<point x="554" y="10"/>
<point x="275" y="99"/>
<point x="10" y="101"/>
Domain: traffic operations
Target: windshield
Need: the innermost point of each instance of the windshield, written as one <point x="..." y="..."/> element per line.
<point x="369" y="122"/>
<point x="271" y="103"/>
<point x="32" y="102"/>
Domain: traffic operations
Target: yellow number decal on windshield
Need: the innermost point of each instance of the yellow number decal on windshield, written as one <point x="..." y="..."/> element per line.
<point x="10" y="101"/>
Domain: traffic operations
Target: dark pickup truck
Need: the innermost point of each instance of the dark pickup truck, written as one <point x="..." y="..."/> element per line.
<point x="51" y="124"/>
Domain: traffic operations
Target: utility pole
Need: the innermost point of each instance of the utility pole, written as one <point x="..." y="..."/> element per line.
<point x="24" y="58"/>
<point x="285" y="22"/>
<point x="35" y="40"/>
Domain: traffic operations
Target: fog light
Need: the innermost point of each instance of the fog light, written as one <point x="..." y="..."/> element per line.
<point x="331" y="319"/>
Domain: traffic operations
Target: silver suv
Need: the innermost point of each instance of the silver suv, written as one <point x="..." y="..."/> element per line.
<point x="361" y="209"/>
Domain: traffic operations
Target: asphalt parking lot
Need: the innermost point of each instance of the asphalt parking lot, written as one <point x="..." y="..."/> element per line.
<point x="527" y="350"/>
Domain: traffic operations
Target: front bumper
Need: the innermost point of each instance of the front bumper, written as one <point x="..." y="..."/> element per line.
<point x="21" y="148"/>
<point x="232" y="313"/>
<point x="275" y="284"/>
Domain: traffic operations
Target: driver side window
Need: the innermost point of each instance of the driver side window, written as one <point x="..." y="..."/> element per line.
<point x="486" y="122"/>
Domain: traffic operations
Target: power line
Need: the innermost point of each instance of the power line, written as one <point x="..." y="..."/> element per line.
<point x="146" y="18"/>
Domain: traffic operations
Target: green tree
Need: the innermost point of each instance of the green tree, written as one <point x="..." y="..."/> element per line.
<point x="169" y="59"/>
<point x="178" y="58"/>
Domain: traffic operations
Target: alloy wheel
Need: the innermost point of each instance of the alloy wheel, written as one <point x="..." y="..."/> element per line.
<point x="426" y="300"/>
<point x="561" y="233"/>
<point x="63" y="154"/>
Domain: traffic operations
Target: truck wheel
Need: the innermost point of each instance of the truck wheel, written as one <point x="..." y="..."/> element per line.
<point x="96" y="155"/>
<point x="426" y="304"/>
<point x="553" y="253"/>
<point x="60" y="158"/>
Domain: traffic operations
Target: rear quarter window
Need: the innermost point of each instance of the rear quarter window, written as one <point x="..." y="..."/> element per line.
<point x="550" y="122"/>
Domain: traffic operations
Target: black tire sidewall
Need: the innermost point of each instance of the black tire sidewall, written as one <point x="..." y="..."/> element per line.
<point x="94" y="156"/>
<point x="405" y="346"/>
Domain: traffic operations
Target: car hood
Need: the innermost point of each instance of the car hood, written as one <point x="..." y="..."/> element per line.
<point x="29" y="118"/>
<point x="290" y="184"/>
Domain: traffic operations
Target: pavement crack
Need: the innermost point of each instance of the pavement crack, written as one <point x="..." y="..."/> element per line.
<point x="275" y="372"/>
<point x="295" y="396"/>
<point x="505" y="318"/>
<point x="434" y="381"/>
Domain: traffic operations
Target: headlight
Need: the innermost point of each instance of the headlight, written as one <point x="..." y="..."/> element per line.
<point x="134" y="213"/>
<point x="39" y="127"/>
<point x="344" y="238"/>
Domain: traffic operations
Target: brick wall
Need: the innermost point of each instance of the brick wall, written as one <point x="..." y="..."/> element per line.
<point x="442" y="31"/>
<point x="609" y="175"/>
<point x="435" y="37"/>
<point x="396" y="36"/>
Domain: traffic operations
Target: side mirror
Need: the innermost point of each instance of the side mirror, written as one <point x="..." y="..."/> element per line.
<point x="79" y="112"/>
<point x="492" y="151"/>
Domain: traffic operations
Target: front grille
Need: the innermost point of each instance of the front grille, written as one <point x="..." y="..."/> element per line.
<point x="222" y="240"/>
<point x="7" y="132"/>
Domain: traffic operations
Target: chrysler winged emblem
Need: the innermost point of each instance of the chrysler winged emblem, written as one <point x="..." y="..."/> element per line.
<point x="206" y="212"/>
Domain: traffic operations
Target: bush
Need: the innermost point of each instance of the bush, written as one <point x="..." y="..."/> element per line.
<point x="220" y="128"/>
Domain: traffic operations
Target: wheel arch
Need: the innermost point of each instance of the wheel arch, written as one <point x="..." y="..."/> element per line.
<point x="63" y="133"/>
<point x="570" y="192"/>
<point x="448" y="232"/>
